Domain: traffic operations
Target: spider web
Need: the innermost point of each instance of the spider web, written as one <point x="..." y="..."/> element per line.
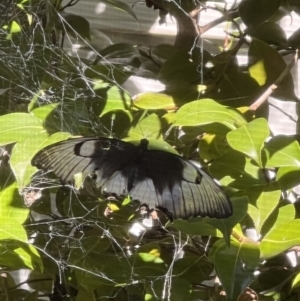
<point x="86" y="244"/>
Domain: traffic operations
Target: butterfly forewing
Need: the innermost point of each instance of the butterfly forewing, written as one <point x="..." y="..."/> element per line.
<point x="154" y="177"/>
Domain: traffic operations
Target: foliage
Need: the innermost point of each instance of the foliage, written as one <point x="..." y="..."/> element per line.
<point x="212" y="108"/>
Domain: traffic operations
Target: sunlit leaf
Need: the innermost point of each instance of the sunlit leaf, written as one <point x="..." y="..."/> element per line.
<point x="154" y="101"/>
<point x="249" y="139"/>
<point x="17" y="127"/>
<point x="284" y="235"/>
<point x="116" y="100"/>
<point x="149" y="127"/>
<point x="44" y="111"/>
<point x="283" y="151"/>
<point x="10" y="228"/>
<point x="15" y="27"/>
<point x="296" y="281"/>
<point x="23" y="152"/>
<point x="258" y="72"/>
<point x="263" y="199"/>
<point x="11" y="204"/>
<point x="206" y="111"/>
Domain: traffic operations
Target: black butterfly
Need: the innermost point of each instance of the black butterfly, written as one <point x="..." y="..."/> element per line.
<point x="156" y="178"/>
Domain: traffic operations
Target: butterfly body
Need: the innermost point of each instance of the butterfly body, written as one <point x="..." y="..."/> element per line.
<point x="157" y="178"/>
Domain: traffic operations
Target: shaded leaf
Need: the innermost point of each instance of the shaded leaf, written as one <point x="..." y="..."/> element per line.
<point x="288" y="177"/>
<point x="261" y="51"/>
<point x="294" y="40"/>
<point x="236" y="271"/>
<point x="75" y="25"/>
<point x="271" y="33"/>
<point x="254" y="12"/>
<point x="122" y="6"/>
<point x="179" y="68"/>
<point x="240" y="205"/>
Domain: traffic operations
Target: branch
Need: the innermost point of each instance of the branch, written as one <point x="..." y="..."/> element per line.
<point x="227" y="16"/>
<point x="274" y="86"/>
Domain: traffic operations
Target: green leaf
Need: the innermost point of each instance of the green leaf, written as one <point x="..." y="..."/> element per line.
<point x="11" y="204"/>
<point x="17" y="127"/>
<point x="193" y="268"/>
<point x="122" y="6"/>
<point x="212" y="146"/>
<point x="111" y="74"/>
<point x="163" y="51"/>
<point x="239" y="205"/>
<point x="294" y="39"/>
<point x="271" y="33"/>
<point x="284" y="235"/>
<point x="23" y="152"/>
<point x="43" y="112"/>
<point x="154" y="101"/>
<point x="254" y="12"/>
<point x="30" y="257"/>
<point x="235" y="267"/>
<point x="180" y="68"/>
<point x="194" y="226"/>
<point x="119" y="50"/>
<point x="10" y="228"/>
<point x="116" y="100"/>
<point x="296" y="281"/>
<point x="147" y="257"/>
<point x="15" y="27"/>
<point x="288" y="177"/>
<point x="263" y="200"/>
<point x="261" y="51"/>
<point x="206" y="111"/>
<point x="149" y="127"/>
<point x="74" y="25"/>
<point x="258" y="72"/>
<point x="233" y="169"/>
<point x="282" y="151"/>
<point x="250" y="138"/>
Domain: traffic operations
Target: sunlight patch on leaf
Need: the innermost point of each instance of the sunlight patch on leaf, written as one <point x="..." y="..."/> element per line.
<point x="258" y="72"/>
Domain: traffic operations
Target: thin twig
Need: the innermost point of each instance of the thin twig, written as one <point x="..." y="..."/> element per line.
<point x="274" y="86"/>
<point x="71" y="3"/>
<point x="227" y="16"/>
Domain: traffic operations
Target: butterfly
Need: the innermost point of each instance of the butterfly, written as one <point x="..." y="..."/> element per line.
<point x="157" y="178"/>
